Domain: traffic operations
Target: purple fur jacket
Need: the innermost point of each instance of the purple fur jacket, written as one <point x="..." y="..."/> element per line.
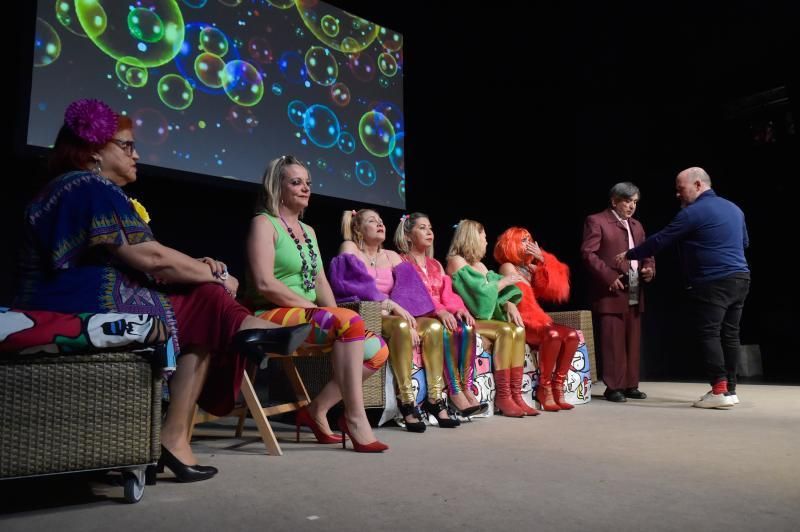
<point x="351" y="281"/>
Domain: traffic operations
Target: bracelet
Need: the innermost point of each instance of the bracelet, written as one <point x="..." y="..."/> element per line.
<point x="386" y="304"/>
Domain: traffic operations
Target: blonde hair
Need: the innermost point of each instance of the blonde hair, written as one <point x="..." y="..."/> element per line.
<point x="407" y="223"/>
<point x="270" y="195"/>
<point x="351" y="226"/>
<point x="466" y="241"/>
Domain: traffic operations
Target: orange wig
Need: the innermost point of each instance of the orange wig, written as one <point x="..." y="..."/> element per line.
<point x="509" y="247"/>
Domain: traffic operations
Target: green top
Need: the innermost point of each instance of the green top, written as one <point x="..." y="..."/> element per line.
<point x="480" y="293"/>
<point x="288" y="265"/>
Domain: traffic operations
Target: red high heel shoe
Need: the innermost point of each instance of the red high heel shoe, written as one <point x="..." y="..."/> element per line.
<point x="373" y="447"/>
<point x="304" y="419"/>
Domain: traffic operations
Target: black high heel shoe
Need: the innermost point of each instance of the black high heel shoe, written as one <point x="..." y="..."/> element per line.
<point x="256" y="343"/>
<point x="433" y="409"/>
<point x="183" y="472"/>
<point x="412" y="410"/>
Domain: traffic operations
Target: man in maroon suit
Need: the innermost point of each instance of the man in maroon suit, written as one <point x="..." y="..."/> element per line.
<point x="617" y="297"/>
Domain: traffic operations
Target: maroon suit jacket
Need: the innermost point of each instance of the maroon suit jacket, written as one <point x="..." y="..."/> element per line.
<point x="604" y="237"/>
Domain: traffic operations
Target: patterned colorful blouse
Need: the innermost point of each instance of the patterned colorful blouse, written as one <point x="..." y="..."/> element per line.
<point x="65" y="264"/>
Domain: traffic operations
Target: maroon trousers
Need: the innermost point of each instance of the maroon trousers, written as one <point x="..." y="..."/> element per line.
<point x="207" y="319"/>
<point x="620" y="343"/>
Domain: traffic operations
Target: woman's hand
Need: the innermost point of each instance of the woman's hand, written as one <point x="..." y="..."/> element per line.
<point x="231" y="285"/>
<point x="513" y="314"/>
<point x="415" y="340"/>
<point x="397" y="310"/>
<point x="218" y="268"/>
<point x="447" y="319"/>
<point x="532" y="248"/>
<point x="508" y="280"/>
<point x="465" y="316"/>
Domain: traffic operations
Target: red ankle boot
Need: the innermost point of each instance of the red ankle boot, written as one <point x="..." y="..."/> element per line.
<point x="516" y="392"/>
<point x="502" y="399"/>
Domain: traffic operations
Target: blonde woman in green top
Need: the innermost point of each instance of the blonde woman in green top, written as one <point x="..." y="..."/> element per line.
<point x="491" y="298"/>
<point x="287" y="274"/>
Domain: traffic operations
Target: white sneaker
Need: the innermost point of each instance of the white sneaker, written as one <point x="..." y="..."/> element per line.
<point x="735" y="398"/>
<point x="712" y="400"/>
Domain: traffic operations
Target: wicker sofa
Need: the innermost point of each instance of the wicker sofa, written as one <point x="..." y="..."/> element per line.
<point x="316" y="371"/>
<point x="80" y="412"/>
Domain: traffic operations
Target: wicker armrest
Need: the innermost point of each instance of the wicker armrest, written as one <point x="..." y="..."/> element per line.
<point x="370" y="312"/>
<point x="582" y="320"/>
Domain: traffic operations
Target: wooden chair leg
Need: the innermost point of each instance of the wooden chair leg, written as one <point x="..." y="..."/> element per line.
<point x="264" y="428"/>
<point x="300" y="392"/>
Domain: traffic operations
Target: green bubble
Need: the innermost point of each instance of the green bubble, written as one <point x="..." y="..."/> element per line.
<point x="46" y="44"/>
<point x="131" y="73"/>
<point x="242" y="83"/>
<point x="208" y="69"/>
<point x="348" y="34"/>
<point x="330" y="25"/>
<point x="321" y="66"/>
<point x="376" y="133"/>
<point x="213" y="41"/>
<point x="65" y="13"/>
<point x="145" y="25"/>
<point x="175" y="92"/>
<point x="281" y="4"/>
<point x="107" y="24"/>
<point x="136" y="77"/>
<point x="387" y="64"/>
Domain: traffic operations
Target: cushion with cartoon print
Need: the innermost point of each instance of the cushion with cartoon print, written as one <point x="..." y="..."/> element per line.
<point x="41" y="331"/>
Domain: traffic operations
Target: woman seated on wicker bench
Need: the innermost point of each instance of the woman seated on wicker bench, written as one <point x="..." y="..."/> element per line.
<point x="543" y="277"/>
<point x="88" y="248"/>
<point x="492" y="299"/>
<point x="287" y="273"/>
<point x="414" y="238"/>
<point x="366" y="271"/>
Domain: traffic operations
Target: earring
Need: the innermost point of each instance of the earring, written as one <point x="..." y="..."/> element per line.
<point x="97" y="168"/>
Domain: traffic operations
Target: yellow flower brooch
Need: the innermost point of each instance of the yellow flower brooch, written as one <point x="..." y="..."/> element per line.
<point x="140" y="210"/>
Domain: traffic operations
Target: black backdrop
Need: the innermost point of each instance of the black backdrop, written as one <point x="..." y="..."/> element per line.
<point x="526" y="114"/>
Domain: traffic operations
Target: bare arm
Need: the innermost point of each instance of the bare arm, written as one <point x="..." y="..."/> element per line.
<point x="261" y="254"/>
<point x="348" y="246"/>
<point x="325" y="297"/>
<point x="164" y="263"/>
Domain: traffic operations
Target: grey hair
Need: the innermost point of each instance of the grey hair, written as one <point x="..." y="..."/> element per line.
<point x="624" y="190"/>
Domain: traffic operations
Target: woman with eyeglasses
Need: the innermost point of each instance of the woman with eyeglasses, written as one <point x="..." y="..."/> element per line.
<point x="88" y="248"/>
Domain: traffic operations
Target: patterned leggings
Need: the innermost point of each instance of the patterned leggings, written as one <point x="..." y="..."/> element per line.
<point x="459" y="358"/>
<point x="331" y="324"/>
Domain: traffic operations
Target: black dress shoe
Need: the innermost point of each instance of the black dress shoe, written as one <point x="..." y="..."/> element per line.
<point x="615" y="396"/>
<point x="256" y="343"/>
<point x="433" y="409"/>
<point x="183" y="472"/>
<point x="412" y="410"/>
<point x="634" y="393"/>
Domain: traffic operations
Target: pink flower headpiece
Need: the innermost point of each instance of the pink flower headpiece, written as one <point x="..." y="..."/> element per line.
<point x="404" y="218"/>
<point x="91" y="120"/>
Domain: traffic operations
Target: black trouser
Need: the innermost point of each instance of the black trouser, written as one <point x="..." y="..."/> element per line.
<point x="715" y="309"/>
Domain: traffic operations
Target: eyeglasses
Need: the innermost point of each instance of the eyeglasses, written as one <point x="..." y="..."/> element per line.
<point x="128" y="146"/>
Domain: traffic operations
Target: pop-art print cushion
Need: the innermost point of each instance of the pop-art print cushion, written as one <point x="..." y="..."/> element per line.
<point x="41" y="331"/>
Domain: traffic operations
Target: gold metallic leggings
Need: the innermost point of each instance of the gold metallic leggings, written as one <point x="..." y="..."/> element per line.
<point x="509" y="342"/>
<point x="397" y="333"/>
